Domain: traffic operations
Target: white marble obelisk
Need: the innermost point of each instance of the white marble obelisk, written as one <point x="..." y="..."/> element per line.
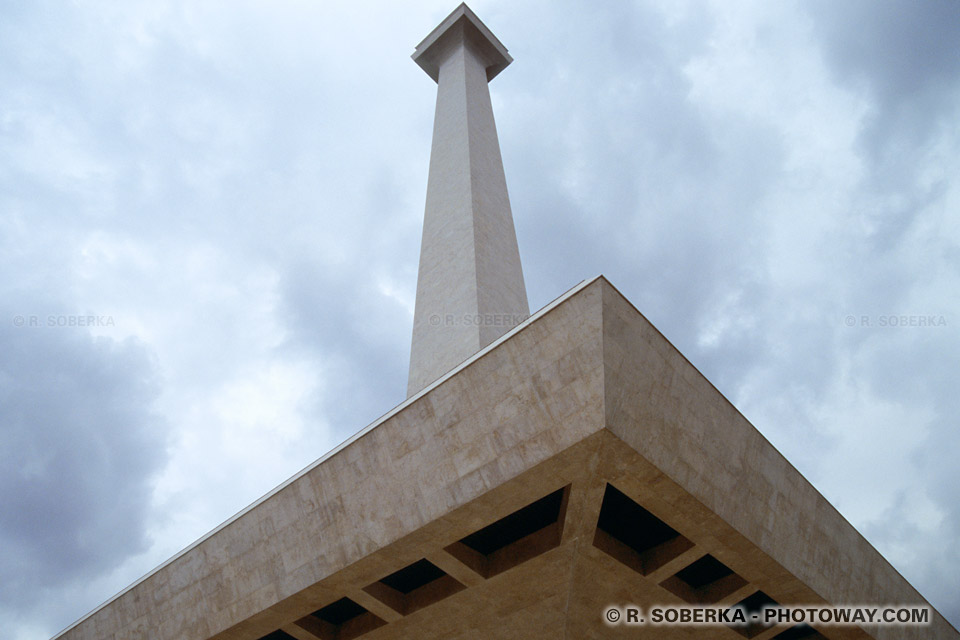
<point x="470" y="288"/>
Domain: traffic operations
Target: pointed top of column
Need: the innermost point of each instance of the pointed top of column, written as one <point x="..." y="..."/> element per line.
<point x="461" y="24"/>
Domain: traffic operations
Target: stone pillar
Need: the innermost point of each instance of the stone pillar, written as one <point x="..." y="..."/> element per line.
<point x="470" y="288"/>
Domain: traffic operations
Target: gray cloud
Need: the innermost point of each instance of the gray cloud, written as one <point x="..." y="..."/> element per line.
<point x="628" y="176"/>
<point x="903" y="53"/>
<point x="80" y="447"/>
<point x="358" y="338"/>
<point x="901" y="56"/>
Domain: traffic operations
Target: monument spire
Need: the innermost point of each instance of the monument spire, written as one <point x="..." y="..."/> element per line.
<point x="470" y="288"/>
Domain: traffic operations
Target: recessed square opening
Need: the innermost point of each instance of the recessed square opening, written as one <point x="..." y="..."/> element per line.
<point x="278" y="635"/>
<point x="634" y="536"/>
<point x="411" y="578"/>
<point x="516" y="538"/>
<point x="800" y="632"/>
<point x="414" y="587"/>
<point x="754" y="605"/>
<point x="340" y="620"/>
<point x="703" y="572"/>
<point x="704" y="582"/>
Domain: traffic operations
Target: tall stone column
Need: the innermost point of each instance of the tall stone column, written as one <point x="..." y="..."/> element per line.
<point x="470" y="288"/>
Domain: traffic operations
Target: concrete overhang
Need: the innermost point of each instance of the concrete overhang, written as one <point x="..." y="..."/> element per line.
<point x="578" y="462"/>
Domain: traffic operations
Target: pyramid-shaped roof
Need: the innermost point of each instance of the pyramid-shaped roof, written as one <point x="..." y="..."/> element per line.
<point x="578" y="463"/>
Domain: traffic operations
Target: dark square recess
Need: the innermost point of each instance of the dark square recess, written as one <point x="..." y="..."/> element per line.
<point x="704" y="571"/>
<point x="704" y="582"/>
<point x="519" y="524"/>
<point x="278" y="635"/>
<point x="339" y="612"/>
<point x="800" y="632"/>
<point x="516" y="538"/>
<point x="414" y="576"/>
<point x="343" y="619"/>
<point x="634" y="536"/>
<point x="414" y="587"/>
<point x="630" y="523"/>
<point x="754" y="604"/>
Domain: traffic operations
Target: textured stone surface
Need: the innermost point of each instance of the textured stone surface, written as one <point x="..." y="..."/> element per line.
<point x="666" y="410"/>
<point x="588" y="393"/>
<point x="470" y="287"/>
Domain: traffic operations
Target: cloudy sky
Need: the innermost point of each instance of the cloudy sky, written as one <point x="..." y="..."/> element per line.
<point x="210" y="220"/>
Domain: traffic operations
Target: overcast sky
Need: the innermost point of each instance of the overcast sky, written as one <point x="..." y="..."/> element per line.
<point x="233" y="192"/>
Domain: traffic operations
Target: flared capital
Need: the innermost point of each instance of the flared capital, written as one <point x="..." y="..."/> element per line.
<point x="460" y="27"/>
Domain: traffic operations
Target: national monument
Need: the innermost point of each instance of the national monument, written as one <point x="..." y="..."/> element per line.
<point x="543" y="467"/>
